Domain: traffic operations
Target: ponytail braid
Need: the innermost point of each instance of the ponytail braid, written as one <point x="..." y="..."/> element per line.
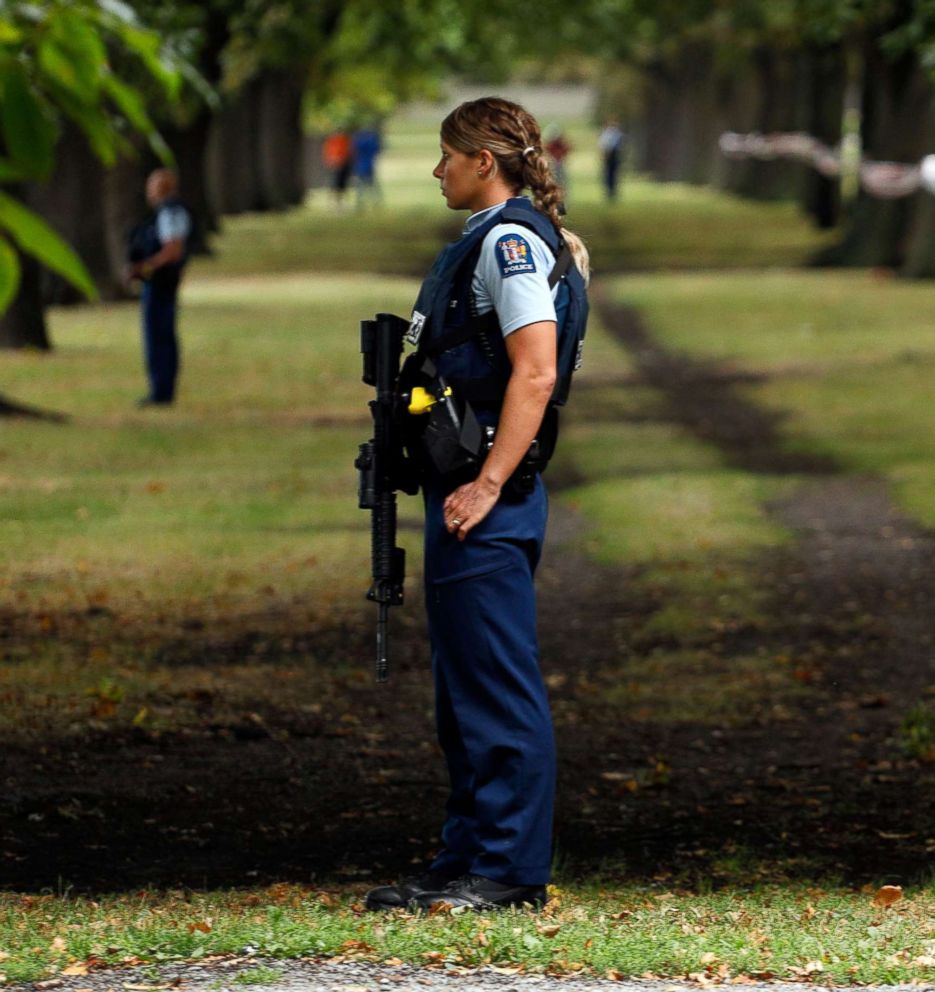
<point x="511" y="134"/>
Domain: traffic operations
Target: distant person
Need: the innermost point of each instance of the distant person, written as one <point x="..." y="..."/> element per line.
<point x="366" y="147"/>
<point x="337" y="154"/>
<point x="611" y="143"/>
<point x="558" y="149"/>
<point x="158" y="251"/>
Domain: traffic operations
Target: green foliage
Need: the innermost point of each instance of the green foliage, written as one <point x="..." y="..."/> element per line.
<point x="54" y="63"/>
<point x="34" y="236"/>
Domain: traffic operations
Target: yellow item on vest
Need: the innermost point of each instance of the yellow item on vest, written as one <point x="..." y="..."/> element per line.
<point x="421" y="400"/>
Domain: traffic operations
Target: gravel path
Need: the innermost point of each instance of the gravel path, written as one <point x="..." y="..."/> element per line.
<point x="298" y="976"/>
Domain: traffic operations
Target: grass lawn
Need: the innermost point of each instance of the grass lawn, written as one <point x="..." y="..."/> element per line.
<point x="124" y="531"/>
<point x="811" y="935"/>
<point x="849" y="357"/>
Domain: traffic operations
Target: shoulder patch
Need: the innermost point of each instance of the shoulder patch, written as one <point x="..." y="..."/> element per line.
<point x="514" y="255"/>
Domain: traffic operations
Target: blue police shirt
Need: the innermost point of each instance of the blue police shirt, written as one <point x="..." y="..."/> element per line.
<point x="172" y="223"/>
<point x="512" y="274"/>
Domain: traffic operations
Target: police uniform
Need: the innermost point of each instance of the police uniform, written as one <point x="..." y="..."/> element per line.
<point x="159" y="302"/>
<point x="493" y="717"/>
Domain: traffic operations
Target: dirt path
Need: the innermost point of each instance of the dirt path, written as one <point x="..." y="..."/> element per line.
<point x="339" y="783"/>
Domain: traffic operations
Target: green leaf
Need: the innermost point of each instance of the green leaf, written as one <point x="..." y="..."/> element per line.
<point x="93" y="121"/>
<point x="9" y="274"/>
<point x="146" y="46"/>
<point x="27" y="131"/>
<point x="61" y="68"/>
<point x="77" y="35"/>
<point x="34" y="236"/>
<point x="130" y="102"/>
<point x="11" y="173"/>
<point x="10" y="34"/>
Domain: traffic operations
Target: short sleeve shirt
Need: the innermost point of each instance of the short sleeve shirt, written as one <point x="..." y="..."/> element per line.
<point x="172" y="224"/>
<point x="512" y="274"/>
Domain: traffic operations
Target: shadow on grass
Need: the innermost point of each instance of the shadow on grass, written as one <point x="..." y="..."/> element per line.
<point x="725" y="752"/>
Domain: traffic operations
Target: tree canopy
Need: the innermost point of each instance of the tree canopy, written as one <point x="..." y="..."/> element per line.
<point x="56" y="64"/>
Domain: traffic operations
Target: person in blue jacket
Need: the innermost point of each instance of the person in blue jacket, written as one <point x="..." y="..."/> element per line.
<point x="483" y="536"/>
<point x="158" y="252"/>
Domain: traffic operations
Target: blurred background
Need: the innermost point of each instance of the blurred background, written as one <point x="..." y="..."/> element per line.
<point x="242" y="97"/>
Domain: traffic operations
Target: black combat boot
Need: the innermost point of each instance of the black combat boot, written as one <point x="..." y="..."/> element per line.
<point x="402" y="895"/>
<point x="482" y="894"/>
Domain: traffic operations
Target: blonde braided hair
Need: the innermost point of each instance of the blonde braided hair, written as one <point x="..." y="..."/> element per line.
<point x="512" y="135"/>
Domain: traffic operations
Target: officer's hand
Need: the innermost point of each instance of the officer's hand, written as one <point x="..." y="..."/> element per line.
<point x="467" y="506"/>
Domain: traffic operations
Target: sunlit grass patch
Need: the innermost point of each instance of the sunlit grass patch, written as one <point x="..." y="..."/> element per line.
<point x="822" y="934"/>
<point x="785" y="319"/>
<point x="847" y="357"/>
<point x="664" y="515"/>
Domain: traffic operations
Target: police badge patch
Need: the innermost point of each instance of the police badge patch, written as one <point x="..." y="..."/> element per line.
<point x="514" y="255"/>
<point x="415" y="327"/>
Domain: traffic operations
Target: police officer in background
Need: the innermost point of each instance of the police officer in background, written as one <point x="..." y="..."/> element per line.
<point x="483" y="537"/>
<point x="157" y="255"/>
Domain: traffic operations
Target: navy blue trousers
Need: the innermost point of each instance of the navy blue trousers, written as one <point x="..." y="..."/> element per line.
<point x="160" y="344"/>
<point x="492" y="711"/>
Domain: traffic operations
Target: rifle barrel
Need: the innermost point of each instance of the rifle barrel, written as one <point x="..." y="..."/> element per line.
<point x="382" y="635"/>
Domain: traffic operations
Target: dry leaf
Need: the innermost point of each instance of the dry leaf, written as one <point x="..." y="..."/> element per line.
<point x="202" y="926"/>
<point x="58" y="945"/>
<point x="888" y="895"/>
<point x="78" y="968"/>
<point x="549" y="931"/>
<point x="615" y="976"/>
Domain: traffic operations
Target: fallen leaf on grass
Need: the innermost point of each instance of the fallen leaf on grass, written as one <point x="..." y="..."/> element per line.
<point x="357" y="947"/>
<point x="202" y="926"/>
<point x="615" y="976"/>
<point x="78" y="968"/>
<point x="549" y="931"/>
<point x="811" y="968"/>
<point x="888" y="895"/>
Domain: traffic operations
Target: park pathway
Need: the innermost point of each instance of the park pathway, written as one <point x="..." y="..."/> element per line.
<point x="854" y="597"/>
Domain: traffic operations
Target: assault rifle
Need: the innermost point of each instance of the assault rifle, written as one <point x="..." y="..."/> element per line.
<point x="384" y="469"/>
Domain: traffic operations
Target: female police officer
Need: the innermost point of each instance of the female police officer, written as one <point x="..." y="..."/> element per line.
<point x="483" y="536"/>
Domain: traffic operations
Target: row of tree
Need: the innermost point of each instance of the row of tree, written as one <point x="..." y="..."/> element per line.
<point x="707" y="66"/>
<point x="220" y="88"/>
<point x="94" y="93"/>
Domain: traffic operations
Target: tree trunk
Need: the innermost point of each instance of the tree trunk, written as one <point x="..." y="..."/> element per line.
<point x="280" y="145"/>
<point x="774" y="102"/>
<point x="824" y="78"/>
<point x="741" y="102"/>
<point x="693" y="115"/>
<point x="896" y="96"/>
<point x="124" y="204"/>
<point x="232" y="164"/>
<point x="72" y="200"/>
<point x="919" y="256"/>
<point x="23" y="325"/>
